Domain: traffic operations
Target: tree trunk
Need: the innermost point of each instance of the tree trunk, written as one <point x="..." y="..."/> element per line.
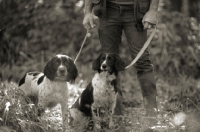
<point x="176" y="5"/>
<point x="194" y="9"/>
<point x="185" y="6"/>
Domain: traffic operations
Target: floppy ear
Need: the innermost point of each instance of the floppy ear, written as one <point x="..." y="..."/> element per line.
<point x="73" y="71"/>
<point x="49" y="70"/>
<point x="119" y="63"/>
<point x="96" y="63"/>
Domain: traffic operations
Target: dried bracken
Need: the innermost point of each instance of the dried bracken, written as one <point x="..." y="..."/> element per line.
<point x="21" y="117"/>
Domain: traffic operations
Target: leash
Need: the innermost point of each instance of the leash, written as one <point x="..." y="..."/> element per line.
<point x="86" y="36"/>
<point x="146" y="44"/>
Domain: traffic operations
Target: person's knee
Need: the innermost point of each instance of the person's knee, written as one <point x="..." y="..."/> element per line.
<point x="144" y="67"/>
<point x="147" y="77"/>
<point x="148" y="84"/>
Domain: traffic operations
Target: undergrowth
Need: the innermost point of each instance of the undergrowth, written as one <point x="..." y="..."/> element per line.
<point x="178" y="111"/>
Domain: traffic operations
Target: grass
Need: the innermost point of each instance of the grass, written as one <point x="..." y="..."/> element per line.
<point x="178" y="107"/>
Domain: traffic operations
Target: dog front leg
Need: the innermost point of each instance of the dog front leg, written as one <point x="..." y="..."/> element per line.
<point x="111" y="123"/>
<point x="64" y="109"/>
<point x="41" y="106"/>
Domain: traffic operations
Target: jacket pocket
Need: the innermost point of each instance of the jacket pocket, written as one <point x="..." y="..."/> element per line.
<point x="97" y="11"/>
<point x="143" y="6"/>
<point x="95" y="1"/>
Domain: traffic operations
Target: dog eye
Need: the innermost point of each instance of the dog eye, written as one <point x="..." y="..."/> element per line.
<point x="102" y="58"/>
<point x="110" y="58"/>
<point x="56" y="63"/>
<point x="65" y="63"/>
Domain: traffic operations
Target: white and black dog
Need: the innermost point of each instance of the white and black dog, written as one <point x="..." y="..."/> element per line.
<point x="50" y="88"/>
<point x="100" y="96"/>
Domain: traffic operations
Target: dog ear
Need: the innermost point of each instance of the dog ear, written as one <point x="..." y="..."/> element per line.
<point x="119" y="63"/>
<point x="96" y="63"/>
<point x="22" y="81"/>
<point x="73" y="71"/>
<point x="49" y="69"/>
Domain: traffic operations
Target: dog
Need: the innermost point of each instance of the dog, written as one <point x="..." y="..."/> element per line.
<point x="99" y="98"/>
<point x="50" y="88"/>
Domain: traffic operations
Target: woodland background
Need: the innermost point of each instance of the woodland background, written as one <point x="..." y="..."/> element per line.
<point x="32" y="31"/>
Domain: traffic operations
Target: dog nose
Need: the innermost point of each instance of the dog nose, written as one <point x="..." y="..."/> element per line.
<point x="62" y="69"/>
<point x="104" y="66"/>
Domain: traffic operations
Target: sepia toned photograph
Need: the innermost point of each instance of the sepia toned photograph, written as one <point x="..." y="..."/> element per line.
<point x="99" y="66"/>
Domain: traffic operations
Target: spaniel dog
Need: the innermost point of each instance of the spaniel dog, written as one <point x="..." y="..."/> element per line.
<point x="50" y="88"/>
<point x="99" y="98"/>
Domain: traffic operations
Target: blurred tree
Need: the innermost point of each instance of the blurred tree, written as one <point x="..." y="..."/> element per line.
<point x="177" y="46"/>
<point x="38" y="29"/>
<point x="194" y="9"/>
<point x="190" y="7"/>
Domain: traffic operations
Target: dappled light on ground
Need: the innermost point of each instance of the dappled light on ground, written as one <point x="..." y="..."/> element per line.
<point x="19" y="116"/>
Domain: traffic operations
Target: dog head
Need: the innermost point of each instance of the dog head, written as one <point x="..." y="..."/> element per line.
<point x="61" y="68"/>
<point x="110" y="62"/>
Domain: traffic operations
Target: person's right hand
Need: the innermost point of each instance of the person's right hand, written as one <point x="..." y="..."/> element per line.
<point x="88" y="21"/>
<point x="150" y="19"/>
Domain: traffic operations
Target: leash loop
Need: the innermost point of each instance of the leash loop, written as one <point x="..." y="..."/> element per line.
<point x="146" y="44"/>
<point x="86" y="36"/>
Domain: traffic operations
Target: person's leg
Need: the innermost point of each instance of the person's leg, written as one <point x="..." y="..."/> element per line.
<point x="110" y="33"/>
<point x="144" y="67"/>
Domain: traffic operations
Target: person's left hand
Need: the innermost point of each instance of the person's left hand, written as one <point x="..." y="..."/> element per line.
<point x="148" y="25"/>
<point x="150" y="19"/>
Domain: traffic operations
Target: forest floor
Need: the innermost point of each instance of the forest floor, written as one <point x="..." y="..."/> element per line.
<point x="16" y="117"/>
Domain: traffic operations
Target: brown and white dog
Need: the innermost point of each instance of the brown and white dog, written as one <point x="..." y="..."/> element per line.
<point x="100" y="96"/>
<point x="50" y="88"/>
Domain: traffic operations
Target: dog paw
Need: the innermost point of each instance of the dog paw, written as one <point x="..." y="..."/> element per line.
<point x="111" y="124"/>
<point x="98" y="126"/>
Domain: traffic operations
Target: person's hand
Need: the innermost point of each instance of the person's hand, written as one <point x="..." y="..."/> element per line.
<point x="88" y="21"/>
<point x="148" y="25"/>
<point x="150" y="19"/>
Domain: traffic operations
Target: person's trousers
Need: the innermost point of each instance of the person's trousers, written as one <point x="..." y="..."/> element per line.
<point x="121" y="18"/>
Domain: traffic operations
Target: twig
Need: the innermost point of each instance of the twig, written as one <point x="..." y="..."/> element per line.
<point x="193" y="103"/>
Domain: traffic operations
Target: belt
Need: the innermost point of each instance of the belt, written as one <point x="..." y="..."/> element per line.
<point x="121" y="7"/>
<point x="122" y="2"/>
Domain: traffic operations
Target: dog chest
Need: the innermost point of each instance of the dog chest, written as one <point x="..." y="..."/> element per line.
<point x="54" y="89"/>
<point x="103" y="92"/>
